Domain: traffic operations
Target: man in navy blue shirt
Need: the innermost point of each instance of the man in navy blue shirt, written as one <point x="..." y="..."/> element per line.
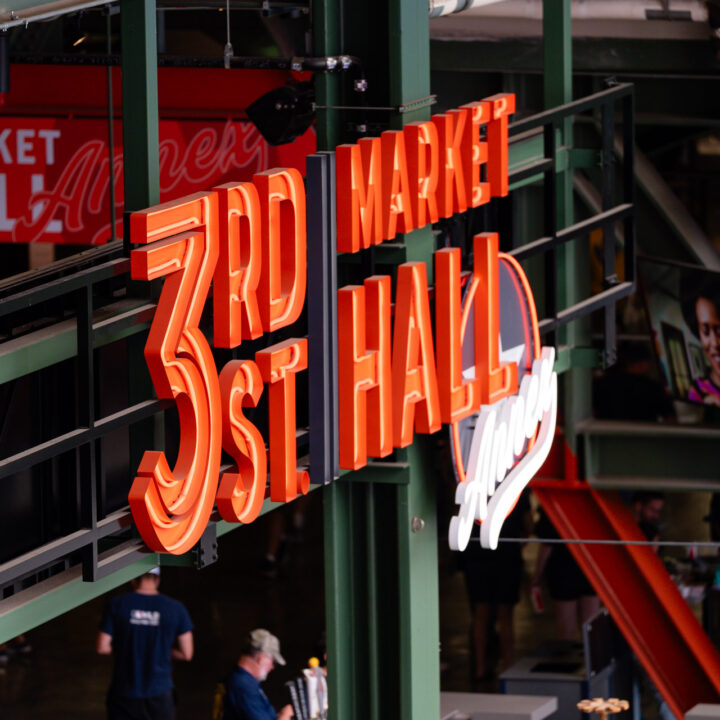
<point x="144" y="630"/>
<point x="245" y="699"/>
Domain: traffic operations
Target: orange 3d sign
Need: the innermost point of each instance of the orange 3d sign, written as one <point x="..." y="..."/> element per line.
<point x="232" y="237"/>
<point x="394" y="377"/>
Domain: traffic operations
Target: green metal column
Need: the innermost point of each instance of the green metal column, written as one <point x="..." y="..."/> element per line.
<point x="140" y="104"/>
<point x="327" y="41"/>
<point x="418" y="582"/>
<point x="339" y="595"/>
<point x="141" y="180"/>
<point x="409" y="76"/>
<point x="380" y="522"/>
<point x="572" y="260"/>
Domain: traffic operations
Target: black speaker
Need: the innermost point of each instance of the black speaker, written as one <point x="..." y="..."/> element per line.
<point x="284" y="113"/>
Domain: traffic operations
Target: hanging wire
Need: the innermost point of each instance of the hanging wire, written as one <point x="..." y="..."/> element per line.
<point x="228" y="52"/>
<point x="581" y="541"/>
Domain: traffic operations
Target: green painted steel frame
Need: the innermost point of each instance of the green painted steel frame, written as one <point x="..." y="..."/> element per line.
<point x="381" y="562"/>
<point x="140" y="104"/>
<point x="381" y="576"/>
<point x="634" y="455"/>
<point x="572" y="268"/>
<point x="67" y="590"/>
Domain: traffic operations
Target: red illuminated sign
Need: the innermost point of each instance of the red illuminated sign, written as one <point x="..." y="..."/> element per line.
<point x="55" y="173"/>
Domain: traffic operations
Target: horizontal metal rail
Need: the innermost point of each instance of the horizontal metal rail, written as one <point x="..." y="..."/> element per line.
<point x="573" y="232"/>
<point x="555" y="115"/>
<point x="63" y="286"/>
<point x="80" y="436"/>
<point x="46" y="554"/>
<point x="548" y="123"/>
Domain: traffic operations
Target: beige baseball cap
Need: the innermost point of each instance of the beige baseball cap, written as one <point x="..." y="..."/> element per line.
<point x="264" y="641"/>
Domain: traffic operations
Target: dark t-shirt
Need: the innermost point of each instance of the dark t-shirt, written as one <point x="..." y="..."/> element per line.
<point x="245" y="699"/>
<point x="565" y="578"/>
<point x="494" y="576"/>
<point x="143" y="629"/>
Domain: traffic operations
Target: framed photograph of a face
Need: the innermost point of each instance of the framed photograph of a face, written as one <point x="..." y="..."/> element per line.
<point x="683" y="304"/>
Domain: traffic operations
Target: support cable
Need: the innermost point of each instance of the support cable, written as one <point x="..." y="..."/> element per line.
<point x="228" y="52"/>
<point x="582" y="541"/>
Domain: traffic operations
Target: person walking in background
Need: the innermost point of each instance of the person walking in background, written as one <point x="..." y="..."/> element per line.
<point x="244" y="698"/>
<point x="574" y="599"/>
<point x="647" y="509"/>
<point x="144" y="630"/>
<point x="492" y="579"/>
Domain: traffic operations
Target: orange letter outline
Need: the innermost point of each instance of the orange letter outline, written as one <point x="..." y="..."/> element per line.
<point x="278" y="366"/>
<point x="503" y="105"/>
<point x="451" y="182"/>
<point x="236" y="315"/>
<point x="364" y="373"/>
<point x="498" y="380"/>
<point x="283" y="280"/>
<point x="241" y="493"/>
<point x="414" y="380"/>
<point x="397" y="207"/>
<point x="171" y="508"/>
<point x="423" y="159"/>
<point x="359" y="195"/>
<point x="475" y="151"/>
<point x="458" y="398"/>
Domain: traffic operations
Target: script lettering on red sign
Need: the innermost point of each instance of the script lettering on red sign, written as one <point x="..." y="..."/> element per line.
<point x="55" y="172"/>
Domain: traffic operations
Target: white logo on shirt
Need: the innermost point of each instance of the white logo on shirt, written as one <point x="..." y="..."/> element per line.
<point x="145" y="617"/>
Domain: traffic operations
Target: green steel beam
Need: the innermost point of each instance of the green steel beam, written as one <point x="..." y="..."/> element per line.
<point x="59" y="594"/>
<point x="409" y="74"/>
<point x="381" y="578"/>
<point x="528" y="151"/>
<point x="417" y="567"/>
<point x="557" y="52"/>
<point x="49" y="346"/>
<point x="373" y="602"/>
<point x="65" y="591"/>
<point x="576" y="357"/>
<point x="636" y="455"/>
<point x="418" y="585"/>
<point x="327" y="41"/>
<point x="140" y="104"/>
<point x="572" y="260"/>
<point x="379" y="472"/>
<point x="138" y="27"/>
<point x="590" y="55"/>
<point x="340" y="597"/>
<point x="409" y="66"/>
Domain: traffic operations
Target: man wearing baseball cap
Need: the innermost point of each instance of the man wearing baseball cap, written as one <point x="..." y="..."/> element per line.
<point x="144" y="630"/>
<point x="244" y="699"/>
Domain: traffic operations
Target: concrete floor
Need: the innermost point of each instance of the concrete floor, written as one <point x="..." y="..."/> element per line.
<point x="63" y="678"/>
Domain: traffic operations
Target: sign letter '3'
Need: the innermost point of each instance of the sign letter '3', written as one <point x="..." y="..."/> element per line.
<point x="172" y="507"/>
